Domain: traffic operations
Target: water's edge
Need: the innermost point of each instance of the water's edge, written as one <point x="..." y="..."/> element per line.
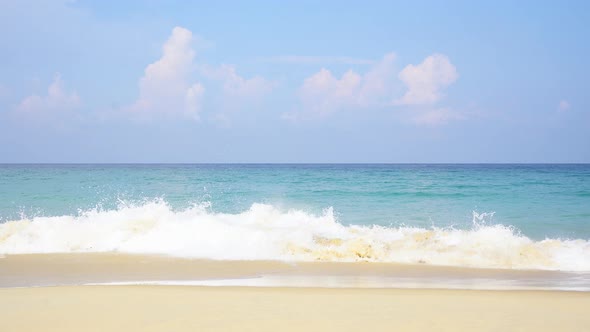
<point x="36" y="270"/>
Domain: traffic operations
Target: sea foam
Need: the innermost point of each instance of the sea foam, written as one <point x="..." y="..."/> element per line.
<point x="264" y="232"/>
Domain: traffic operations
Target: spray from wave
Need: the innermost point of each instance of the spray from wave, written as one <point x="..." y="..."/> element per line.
<point x="264" y="232"/>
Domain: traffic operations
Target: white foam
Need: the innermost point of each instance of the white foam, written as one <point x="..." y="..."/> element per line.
<point x="264" y="232"/>
<point x="359" y="282"/>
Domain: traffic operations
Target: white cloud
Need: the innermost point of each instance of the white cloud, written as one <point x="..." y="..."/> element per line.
<point x="436" y="117"/>
<point x="563" y="106"/>
<point x="426" y="81"/>
<point x="323" y="93"/>
<point x="235" y="85"/>
<point x="56" y="100"/>
<point x="312" y="59"/>
<point x="379" y="82"/>
<point x="165" y="87"/>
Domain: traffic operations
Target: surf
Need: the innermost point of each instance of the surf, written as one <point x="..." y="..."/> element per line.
<point x="266" y="232"/>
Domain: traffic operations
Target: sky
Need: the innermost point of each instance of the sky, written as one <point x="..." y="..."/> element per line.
<point x="294" y="81"/>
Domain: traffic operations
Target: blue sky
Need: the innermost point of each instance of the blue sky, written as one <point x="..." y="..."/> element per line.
<point x="300" y="81"/>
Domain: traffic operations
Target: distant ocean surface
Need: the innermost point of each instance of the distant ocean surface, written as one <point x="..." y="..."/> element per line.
<point x="491" y="215"/>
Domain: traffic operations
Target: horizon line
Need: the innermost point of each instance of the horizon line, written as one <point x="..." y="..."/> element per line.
<point x="294" y="163"/>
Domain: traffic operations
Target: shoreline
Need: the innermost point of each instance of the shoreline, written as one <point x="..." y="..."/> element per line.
<point x="189" y="308"/>
<point x="29" y="270"/>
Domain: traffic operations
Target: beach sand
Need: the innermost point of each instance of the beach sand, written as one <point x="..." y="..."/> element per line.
<point x="46" y="292"/>
<point x="190" y="308"/>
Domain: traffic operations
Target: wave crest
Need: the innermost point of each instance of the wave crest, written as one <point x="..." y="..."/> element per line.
<point x="265" y="232"/>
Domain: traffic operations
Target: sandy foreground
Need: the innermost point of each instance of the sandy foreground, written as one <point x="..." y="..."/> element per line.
<point x="190" y="308"/>
<point x="46" y="292"/>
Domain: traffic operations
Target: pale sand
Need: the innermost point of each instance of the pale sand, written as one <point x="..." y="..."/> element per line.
<point x="185" y="308"/>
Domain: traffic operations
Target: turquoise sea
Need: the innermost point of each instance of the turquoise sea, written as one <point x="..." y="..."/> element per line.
<point x="489" y="215"/>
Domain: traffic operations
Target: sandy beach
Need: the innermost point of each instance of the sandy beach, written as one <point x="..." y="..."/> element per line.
<point x="50" y="292"/>
<point x="186" y="308"/>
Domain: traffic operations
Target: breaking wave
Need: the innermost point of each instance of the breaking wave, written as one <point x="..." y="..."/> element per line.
<point x="265" y="232"/>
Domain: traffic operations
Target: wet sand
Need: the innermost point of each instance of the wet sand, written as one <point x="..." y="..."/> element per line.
<point x="91" y="268"/>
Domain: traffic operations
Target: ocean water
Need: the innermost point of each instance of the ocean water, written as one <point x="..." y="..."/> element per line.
<point x="484" y="216"/>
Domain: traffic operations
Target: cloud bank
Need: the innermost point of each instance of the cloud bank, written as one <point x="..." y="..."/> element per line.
<point x="323" y="93"/>
<point x="174" y="85"/>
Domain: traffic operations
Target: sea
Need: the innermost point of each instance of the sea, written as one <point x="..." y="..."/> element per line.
<point x="490" y="216"/>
